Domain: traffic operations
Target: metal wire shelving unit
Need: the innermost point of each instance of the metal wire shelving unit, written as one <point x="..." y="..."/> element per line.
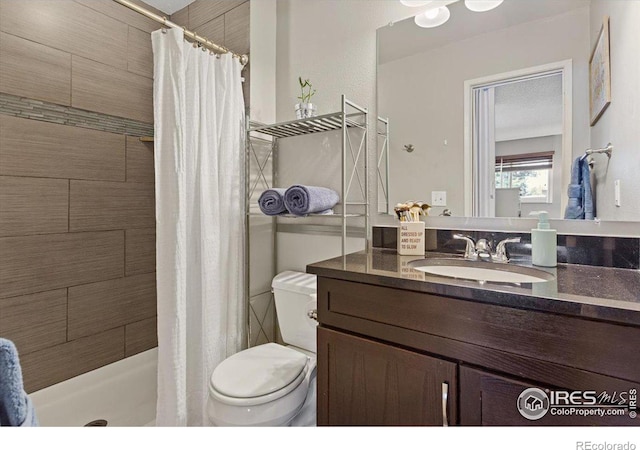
<point x="261" y="156"/>
<point x="382" y="166"/>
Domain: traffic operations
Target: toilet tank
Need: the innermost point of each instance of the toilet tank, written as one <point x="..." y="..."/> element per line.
<point x="296" y="294"/>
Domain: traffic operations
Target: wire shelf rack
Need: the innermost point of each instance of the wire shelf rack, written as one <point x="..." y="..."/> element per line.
<point x="318" y="124"/>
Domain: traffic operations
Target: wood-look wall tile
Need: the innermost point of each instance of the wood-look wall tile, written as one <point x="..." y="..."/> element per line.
<point x="53" y="365"/>
<point x="124" y="14"/>
<point x="33" y="206"/>
<point x="45" y="262"/>
<point x="202" y="11"/>
<point x="140" y="54"/>
<point x="97" y="87"/>
<point x="213" y="30"/>
<point x="109" y="304"/>
<point x="236" y="29"/>
<point x="67" y="26"/>
<point x="102" y="205"/>
<point x="181" y="17"/>
<point x="140" y="251"/>
<point x="33" y="70"/>
<point x="35" y="321"/>
<point x="140" y="336"/>
<point x="140" y="166"/>
<point x="34" y="148"/>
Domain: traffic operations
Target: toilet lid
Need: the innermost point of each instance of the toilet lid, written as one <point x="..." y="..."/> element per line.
<point x="258" y="371"/>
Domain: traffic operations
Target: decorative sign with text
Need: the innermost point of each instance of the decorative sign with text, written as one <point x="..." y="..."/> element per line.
<point x="411" y="238"/>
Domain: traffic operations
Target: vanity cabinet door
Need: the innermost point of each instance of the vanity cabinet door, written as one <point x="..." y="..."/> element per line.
<point x="364" y="382"/>
<point x="490" y="399"/>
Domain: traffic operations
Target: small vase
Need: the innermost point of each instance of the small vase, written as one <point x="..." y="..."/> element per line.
<point x="305" y="110"/>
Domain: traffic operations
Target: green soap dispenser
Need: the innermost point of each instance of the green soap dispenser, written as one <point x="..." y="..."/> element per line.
<point x="544" y="242"/>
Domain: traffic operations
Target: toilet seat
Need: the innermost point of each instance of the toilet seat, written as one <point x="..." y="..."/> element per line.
<point x="258" y="375"/>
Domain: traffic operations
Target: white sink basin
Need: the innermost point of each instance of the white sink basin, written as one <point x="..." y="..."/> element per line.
<point x="481" y="271"/>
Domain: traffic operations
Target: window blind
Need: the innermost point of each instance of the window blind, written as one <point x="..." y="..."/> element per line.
<point x="526" y="161"/>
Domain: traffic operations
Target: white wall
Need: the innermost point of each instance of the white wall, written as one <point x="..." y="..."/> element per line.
<point x="262" y="62"/>
<point x="423" y="97"/>
<point x="620" y="123"/>
<point x="333" y="43"/>
<point x="263" y="19"/>
<point x="262" y="57"/>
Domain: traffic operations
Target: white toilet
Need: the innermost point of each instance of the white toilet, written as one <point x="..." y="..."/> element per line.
<point x="272" y="384"/>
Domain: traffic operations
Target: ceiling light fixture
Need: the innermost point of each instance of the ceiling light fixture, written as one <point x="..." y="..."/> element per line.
<point x="433" y="17"/>
<point x="482" y="5"/>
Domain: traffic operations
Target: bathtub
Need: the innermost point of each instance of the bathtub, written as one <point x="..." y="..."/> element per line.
<point x="122" y="393"/>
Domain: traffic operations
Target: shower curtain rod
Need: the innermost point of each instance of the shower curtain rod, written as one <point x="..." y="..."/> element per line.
<point x="244" y="59"/>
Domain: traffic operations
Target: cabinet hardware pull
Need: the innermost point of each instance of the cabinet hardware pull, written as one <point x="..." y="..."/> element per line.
<point x="445" y="398"/>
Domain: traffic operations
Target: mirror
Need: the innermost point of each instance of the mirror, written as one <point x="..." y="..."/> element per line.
<point x="489" y="112"/>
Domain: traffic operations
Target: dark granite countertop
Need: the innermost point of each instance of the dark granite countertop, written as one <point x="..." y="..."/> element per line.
<point x="591" y="292"/>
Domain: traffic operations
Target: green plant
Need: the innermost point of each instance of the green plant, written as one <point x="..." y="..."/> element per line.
<point x="305" y="97"/>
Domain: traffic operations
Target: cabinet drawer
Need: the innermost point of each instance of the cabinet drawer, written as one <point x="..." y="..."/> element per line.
<point x="595" y="346"/>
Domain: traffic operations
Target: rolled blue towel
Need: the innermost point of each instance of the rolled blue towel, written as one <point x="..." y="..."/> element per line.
<point x="271" y="202"/>
<point x="16" y="408"/>
<point x="302" y="200"/>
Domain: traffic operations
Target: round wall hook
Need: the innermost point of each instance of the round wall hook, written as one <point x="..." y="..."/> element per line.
<point x="409" y="148"/>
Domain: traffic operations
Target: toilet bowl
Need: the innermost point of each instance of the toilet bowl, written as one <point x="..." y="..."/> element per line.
<point x="272" y="384"/>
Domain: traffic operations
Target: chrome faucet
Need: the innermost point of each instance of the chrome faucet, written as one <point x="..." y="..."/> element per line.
<point x="470" y="252"/>
<point x="501" y="254"/>
<point x="483" y="249"/>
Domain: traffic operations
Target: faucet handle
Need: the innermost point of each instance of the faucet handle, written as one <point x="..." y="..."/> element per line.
<point x="501" y="249"/>
<point x="470" y="251"/>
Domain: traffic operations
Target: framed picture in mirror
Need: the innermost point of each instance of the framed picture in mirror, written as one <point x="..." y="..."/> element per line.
<point x="600" y="74"/>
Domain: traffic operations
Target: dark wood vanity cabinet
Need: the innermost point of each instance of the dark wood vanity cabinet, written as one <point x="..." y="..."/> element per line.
<point x="370" y="383"/>
<point x="489" y="399"/>
<point x="395" y="357"/>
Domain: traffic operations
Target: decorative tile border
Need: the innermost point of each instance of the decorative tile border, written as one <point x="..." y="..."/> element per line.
<point x="67" y="115"/>
<point x="603" y="251"/>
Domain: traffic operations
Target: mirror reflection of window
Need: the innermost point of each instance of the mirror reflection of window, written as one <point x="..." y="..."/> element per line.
<point x="531" y="173"/>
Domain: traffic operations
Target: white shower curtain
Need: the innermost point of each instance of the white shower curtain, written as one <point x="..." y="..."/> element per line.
<point x="199" y="145"/>
<point x="484" y="152"/>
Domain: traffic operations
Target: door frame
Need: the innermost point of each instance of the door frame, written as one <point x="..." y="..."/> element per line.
<point x="565" y="67"/>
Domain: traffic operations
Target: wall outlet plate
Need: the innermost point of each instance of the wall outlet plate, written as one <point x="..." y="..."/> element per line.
<point x="439" y="198"/>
